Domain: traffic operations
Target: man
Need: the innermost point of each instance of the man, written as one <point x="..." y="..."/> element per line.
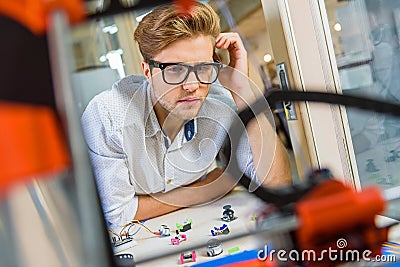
<point x="153" y="139"/>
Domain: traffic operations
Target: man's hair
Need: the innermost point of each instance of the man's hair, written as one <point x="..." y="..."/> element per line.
<point x="164" y="25"/>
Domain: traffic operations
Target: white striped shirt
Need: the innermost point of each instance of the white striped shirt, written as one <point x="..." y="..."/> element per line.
<point x="131" y="155"/>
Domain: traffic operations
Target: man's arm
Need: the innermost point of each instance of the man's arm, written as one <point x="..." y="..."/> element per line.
<point x="269" y="155"/>
<point x="200" y="192"/>
<point x="108" y="161"/>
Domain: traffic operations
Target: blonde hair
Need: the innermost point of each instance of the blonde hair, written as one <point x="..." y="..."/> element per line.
<point x="164" y="25"/>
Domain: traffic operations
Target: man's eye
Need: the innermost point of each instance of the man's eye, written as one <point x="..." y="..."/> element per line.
<point x="175" y="69"/>
<point x="204" y="68"/>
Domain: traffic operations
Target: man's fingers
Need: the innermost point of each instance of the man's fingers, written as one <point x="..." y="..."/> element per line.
<point x="232" y="42"/>
<point x="229" y="40"/>
<point x="223" y="43"/>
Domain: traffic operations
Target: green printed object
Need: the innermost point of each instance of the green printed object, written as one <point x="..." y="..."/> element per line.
<point x="186" y="225"/>
<point x="233" y="250"/>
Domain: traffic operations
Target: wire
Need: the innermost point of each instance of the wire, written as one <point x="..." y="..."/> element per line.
<point x="112" y="232"/>
<point x="134" y="223"/>
<point x="134" y="233"/>
<point x="126" y="229"/>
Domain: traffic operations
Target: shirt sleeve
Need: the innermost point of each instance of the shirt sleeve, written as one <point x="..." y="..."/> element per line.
<point x="246" y="163"/>
<point x="245" y="160"/>
<point x="109" y="163"/>
<point x="243" y="154"/>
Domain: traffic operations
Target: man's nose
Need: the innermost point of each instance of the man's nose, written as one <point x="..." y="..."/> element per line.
<point x="191" y="84"/>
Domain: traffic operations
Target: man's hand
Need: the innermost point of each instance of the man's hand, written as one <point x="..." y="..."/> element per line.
<point x="237" y="53"/>
<point x="234" y="77"/>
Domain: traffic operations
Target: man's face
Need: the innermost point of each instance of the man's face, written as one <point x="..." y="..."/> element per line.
<point x="184" y="100"/>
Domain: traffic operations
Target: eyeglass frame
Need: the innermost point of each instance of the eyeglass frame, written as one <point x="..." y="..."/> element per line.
<point x="162" y="66"/>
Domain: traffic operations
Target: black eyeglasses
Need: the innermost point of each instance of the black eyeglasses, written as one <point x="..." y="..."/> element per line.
<point x="177" y="73"/>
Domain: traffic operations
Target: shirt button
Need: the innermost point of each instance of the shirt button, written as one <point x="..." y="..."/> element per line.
<point x="169" y="181"/>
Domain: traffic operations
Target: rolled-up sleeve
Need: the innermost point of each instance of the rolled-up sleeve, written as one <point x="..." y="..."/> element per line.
<point x="109" y="163"/>
<point x="244" y="157"/>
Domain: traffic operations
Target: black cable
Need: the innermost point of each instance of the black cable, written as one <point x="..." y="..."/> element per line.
<point x="359" y="102"/>
<point x="286" y="195"/>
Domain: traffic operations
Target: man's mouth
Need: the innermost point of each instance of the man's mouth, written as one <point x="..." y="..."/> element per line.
<point x="189" y="100"/>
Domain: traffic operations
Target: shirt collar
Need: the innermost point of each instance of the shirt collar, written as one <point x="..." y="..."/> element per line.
<point x="152" y="125"/>
<point x="189" y="130"/>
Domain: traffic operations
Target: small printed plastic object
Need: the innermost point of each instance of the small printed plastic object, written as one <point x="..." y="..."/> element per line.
<point x="320" y="174"/>
<point x="124" y="260"/>
<point x="117" y="241"/>
<point x="214" y="247"/>
<point x="371" y="166"/>
<point x="223" y="230"/>
<point x="386" y="180"/>
<point x="394" y="154"/>
<point x="188" y="256"/>
<point x="178" y="238"/>
<point x="186" y="225"/>
<point x="233" y="250"/>
<point x="228" y="215"/>
<point x="164" y="230"/>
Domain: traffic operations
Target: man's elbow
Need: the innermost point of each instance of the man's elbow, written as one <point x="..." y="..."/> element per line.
<point x="280" y="173"/>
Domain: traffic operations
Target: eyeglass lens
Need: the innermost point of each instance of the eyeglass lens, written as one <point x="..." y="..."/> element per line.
<point x="205" y="73"/>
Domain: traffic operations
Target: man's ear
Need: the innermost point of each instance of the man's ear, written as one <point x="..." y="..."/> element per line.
<point x="146" y="70"/>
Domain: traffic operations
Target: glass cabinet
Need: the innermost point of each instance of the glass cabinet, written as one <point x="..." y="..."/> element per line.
<point x="348" y="47"/>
